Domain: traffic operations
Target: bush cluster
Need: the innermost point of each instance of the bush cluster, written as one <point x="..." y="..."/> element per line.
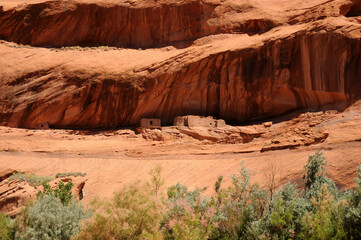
<point x="7" y="230"/>
<point x="32" y="179"/>
<point x="244" y="210"/>
<point x="69" y="174"/>
<point x="131" y="214"/>
<point x="54" y="215"/>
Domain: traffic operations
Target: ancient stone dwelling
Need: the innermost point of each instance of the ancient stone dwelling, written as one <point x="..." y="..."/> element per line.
<point x="150" y="123"/>
<point x="198" y="121"/>
<point x="43" y="126"/>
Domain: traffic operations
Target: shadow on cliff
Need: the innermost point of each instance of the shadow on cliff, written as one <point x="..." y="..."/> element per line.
<point x="338" y="106"/>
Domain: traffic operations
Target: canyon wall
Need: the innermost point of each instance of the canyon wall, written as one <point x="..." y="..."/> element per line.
<point x="252" y="83"/>
<point x="68" y="23"/>
<point x="240" y="78"/>
<point x="72" y="23"/>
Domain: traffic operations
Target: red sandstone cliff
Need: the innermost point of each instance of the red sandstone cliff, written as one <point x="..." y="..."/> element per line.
<point x="236" y="60"/>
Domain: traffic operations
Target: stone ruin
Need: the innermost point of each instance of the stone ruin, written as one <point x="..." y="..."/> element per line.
<point x="43" y="126"/>
<point x="185" y="121"/>
<point x="150" y="123"/>
<point x="199" y="121"/>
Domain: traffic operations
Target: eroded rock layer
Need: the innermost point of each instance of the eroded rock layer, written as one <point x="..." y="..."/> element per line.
<point x="237" y="77"/>
<point x="69" y="23"/>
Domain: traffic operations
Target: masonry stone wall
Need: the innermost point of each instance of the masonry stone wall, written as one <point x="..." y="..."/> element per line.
<point x="43" y="126"/>
<point x="199" y="121"/>
<point x="150" y="123"/>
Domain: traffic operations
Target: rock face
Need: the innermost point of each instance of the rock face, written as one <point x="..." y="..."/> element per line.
<point x="70" y="23"/>
<point x="237" y="61"/>
<point x="15" y="194"/>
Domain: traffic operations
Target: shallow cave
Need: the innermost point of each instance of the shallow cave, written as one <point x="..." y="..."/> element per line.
<point x="355" y="10"/>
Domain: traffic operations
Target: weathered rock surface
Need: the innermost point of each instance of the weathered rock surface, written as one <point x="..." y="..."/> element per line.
<point x="136" y="24"/>
<point x="15" y="194"/>
<point x="299" y="131"/>
<point x="302" y="130"/>
<point x="72" y="23"/>
<point x="227" y="134"/>
<point x="306" y="54"/>
<point x="202" y="129"/>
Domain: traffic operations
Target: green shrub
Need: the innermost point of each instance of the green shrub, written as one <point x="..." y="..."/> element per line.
<point x="6" y="228"/>
<point x="132" y="213"/>
<point x="156" y="181"/>
<point x="315" y="176"/>
<point x="55" y="215"/>
<point x="61" y="192"/>
<point x="49" y="219"/>
<point x="68" y="174"/>
<point x="281" y="220"/>
<point x="32" y="179"/>
<point x="239" y="207"/>
<point x="314" y="169"/>
<point x="326" y="221"/>
<point x="284" y="217"/>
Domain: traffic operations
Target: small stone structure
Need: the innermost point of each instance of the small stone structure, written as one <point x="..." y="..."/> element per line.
<point x="199" y="121"/>
<point x="43" y="126"/>
<point x="150" y="123"/>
